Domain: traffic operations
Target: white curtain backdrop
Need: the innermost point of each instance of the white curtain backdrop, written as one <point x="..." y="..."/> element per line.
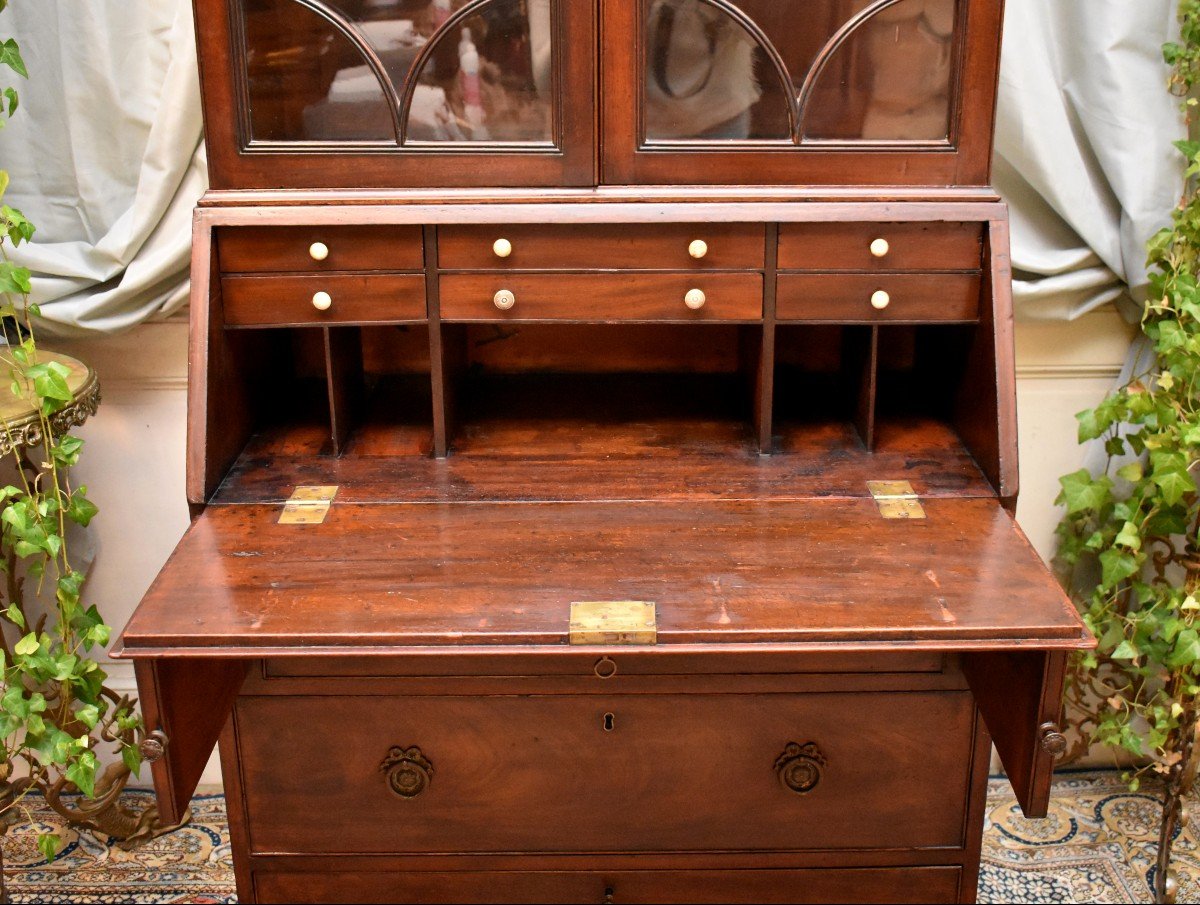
<point x="105" y="155"/>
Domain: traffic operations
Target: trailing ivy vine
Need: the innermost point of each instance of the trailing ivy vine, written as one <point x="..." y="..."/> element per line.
<point x="1129" y="543"/>
<point x="54" y="707"/>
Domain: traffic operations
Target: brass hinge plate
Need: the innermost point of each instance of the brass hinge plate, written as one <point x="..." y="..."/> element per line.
<point x="896" y="499"/>
<point x="613" y="622"/>
<point x="308" y="505"/>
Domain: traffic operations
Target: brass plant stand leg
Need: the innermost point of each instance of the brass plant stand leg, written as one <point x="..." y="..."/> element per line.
<point x="1180" y="781"/>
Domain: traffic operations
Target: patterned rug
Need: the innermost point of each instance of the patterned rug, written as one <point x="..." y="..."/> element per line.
<point x="1097" y="845"/>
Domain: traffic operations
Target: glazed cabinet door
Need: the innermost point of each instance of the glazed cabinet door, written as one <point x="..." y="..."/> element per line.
<point x="397" y="93"/>
<point x="803" y="92"/>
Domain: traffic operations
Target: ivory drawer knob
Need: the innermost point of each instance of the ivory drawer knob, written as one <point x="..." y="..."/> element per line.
<point x="880" y="300"/>
<point x="698" y="249"/>
<point x="504" y="299"/>
<point x="502" y="248"/>
<point x="880" y="248"/>
<point x="695" y="299"/>
<point x="318" y="251"/>
<point x="322" y="301"/>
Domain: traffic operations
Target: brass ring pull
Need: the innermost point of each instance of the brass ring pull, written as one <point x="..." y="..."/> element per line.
<point x="800" y="767"/>
<point x="408" y="771"/>
<point x="605" y="668"/>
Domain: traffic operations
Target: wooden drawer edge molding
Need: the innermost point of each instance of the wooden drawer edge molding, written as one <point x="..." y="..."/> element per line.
<point x="602" y="298"/>
<point x="307" y="249"/>
<point x="879" y="298"/>
<point x="880" y="246"/>
<point x="316" y="299"/>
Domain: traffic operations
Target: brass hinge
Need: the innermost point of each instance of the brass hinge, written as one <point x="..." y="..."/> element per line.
<point x="613" y="622"/>
<point x="896" y="499"/>
<point x="308" y="505"/>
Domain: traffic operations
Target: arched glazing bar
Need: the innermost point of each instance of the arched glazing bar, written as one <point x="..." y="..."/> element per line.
<point x="448" y="27"/>
<point x="768" y="47"/>
<point x="370" y="57"/>
<point x="832" y="46"/>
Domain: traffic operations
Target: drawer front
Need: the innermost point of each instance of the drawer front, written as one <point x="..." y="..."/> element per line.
<point x="865" y="884"/>
<point x="853" y="297"/>
<point x="293" y="300"/>
<point x="662" y="246"/>
<point x="598" y="773"/>
<point x="267" y="249"/>
<point x="856" y="246"/>
<point x="602" y="297"/>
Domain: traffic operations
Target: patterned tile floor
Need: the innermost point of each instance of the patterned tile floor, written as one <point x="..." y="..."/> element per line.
<point x="1097" y="845"/>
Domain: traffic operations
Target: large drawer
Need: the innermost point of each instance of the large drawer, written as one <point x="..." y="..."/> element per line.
<point x="660" y="246"/>
<point x="259" y="301"/>
<point x="605" y="773"/>
<point x="880" y="246"/>
<point x="263" y="249"/>
<point x="601" y="297"/>
<point x="867" y="884"/>
<point x="868" y="298"/>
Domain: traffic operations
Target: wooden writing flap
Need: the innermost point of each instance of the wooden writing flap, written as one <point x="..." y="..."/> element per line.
<point x="189" y="701"/>
<point x="1018" y="692"/>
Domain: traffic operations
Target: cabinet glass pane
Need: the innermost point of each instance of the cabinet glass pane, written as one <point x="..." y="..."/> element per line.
<point x="306" y="80"/>
<point x="788" y="70"/>
<point x="487" y="76"/>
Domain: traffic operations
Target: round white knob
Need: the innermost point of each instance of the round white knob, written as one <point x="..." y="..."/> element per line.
<point x="504" y="299"/>
<point x="695" y="299"/>
<point x="880" y="300"/>
<point x="318" y="251"/>
<point x="880" y="248"/>
<point x="698" y="249"/>
<point x="502" y="248"/>
<point x="322" y="301"/>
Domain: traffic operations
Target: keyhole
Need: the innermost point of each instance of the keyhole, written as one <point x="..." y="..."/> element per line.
<point x="609" y="722"/>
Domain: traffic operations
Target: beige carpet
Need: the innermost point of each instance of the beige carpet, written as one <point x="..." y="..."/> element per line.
<point x="1097" y="845"/>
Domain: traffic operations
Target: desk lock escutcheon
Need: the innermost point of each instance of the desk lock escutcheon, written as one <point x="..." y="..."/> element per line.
<point x="408" y="771"/>
<point x="800" y="767"/>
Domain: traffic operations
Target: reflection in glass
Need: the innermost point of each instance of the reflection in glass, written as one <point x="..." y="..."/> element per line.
<point x="306" y="81"/>
<point x="485" y="78"/>
<point x="708" y="79"/>
<point x="891" y="80"/>
<point x="488" y="77"/>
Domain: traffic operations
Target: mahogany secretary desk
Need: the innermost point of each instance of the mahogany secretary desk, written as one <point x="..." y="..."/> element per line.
<point x="602" y="455"/>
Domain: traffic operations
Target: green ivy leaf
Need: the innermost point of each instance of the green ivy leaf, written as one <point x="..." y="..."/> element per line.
<point x="1124" y="651"/>
<point x="48" y="844"/>
<point x="10" y="56"/>
<point x="1116" y="565"/>
<point x="1080" y="492"/>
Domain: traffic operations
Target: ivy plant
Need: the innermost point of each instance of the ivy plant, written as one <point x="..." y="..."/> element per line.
<point x="1129" y="542"/>
<point x="54" y="707"/>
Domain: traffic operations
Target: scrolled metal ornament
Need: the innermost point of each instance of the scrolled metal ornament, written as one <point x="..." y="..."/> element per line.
<point x="408" y="771"/>
<point x="800" y="767"/>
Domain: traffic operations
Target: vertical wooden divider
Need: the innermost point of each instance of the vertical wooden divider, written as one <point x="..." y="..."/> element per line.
<point x="764" y="395"/>
<point x="345" y="382"/>
<point x="442" y="381"/>
<point x="868" y="389"/>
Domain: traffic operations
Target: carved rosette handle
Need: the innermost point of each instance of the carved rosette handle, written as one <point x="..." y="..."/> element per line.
<point x="800" y="767"/>
<point x="1053" y="741"/>
<point x="153" y="746"/>
<point x="408" y="771"/>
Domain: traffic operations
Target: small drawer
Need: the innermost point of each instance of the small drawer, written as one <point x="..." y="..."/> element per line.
<point x="661" y="246"/>
<point x="602" y="297"/>
<point x="657" y="772"/>
<point x="272" y="249"/>
<point x="892" y="885"/>
<point x="880" y="246"/>
<point x="849" y="298"/>
<point x="276" y="301"/>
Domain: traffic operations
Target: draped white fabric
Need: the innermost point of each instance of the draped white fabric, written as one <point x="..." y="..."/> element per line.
<point x="105" y="157"/>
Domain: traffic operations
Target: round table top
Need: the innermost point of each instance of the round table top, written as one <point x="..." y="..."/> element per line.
<point x="20" y="425"/>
